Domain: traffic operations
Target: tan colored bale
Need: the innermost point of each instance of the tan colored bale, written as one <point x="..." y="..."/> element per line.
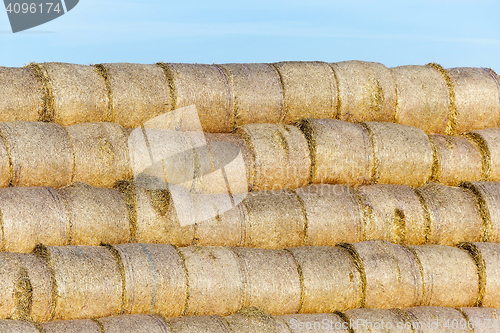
<point x="454" y="214"/>
<point x="367" y="91"/>
<point x="281" y="156"/>
<point x="477" y="98"/>
<point x="438" y="319"/>
<point x="155" y="280"/>
<point x="489" y="142"/>
<point x="87" y="281"/>
<point x="450" y="277"/>
<point x="258" y="95"/>
<point x="100" y="152"/>
<point x="20" y="94"/>
<point x="209" y="88"/>
<point x="138" y="93"/>
<point x="40" y="153"/>
<point x="31" y="216"/>
<point x="482" y="320"/>
<point x="17" y="326"/>
<point x="305" y="323"/>
<point x="97" y="215"/>
<point x="423" y="99"/>
<point x="200" y="324"/>
<point x="14" y="286"/>
<point x="274" y="220"/>
<point x="254" y="320"/>
<point x="395" y="214"/>
<point x="71" y="326"/>
<point x="215" y="285"/>
<point x="272" y="280"/>
<point x="334" y="214"/>
<point x="393" y="277"/>
<point x="458" y="159"/>
<point x="374" y="320"/>
<point x="402" y="154"/>
<point x="5" y="168"/>
<point x="331" y="281"/>
<point x="341" y="152"/>
<point x="309" y="89"/>
<point x="134" y="324"/>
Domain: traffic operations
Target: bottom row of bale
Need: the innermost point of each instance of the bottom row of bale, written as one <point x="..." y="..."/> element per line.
<point x="411" y="320"/>
<point x="84" y="282"/>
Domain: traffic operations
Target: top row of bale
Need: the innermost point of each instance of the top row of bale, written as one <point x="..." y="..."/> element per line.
<point x="434" y="99"/>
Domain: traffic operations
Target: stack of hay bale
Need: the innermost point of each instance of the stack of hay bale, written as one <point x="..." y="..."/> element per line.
<point x="344" y="197"/>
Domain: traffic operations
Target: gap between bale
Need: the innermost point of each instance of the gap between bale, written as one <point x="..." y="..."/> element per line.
<point x="186" y="274"/>
<point x="485" y="154"/>
<point x="128" y="189"/>
<point x="475" y="253"/>
<point x="358" y="263"/>
<point x="121" y="269"/>
<point x="24" y="296"/>
<point x="47" y="113"/>
<point x="42" y="251"/>
<point x="452" y="117"/>
<point x="487" y="231"/>
<point x="338" y="101"/>
<point x="284" y="110"/>
<point x="7" y="150"/>
<point x="103" y="72"/>
<point x="171" y="84"/>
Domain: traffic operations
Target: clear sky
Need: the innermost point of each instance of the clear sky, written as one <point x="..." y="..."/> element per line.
<point x="452" y="33"/>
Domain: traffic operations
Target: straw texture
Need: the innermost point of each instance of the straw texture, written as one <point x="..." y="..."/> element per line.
<point x="281" y="156"/>
<point x="423" y="99"/>
<point x="71" y="326"/>
<point x="304" y="323"/>
<point x="100" y="153"/>
<point x="20" y="94"/>
<point x="341" y="152"/>
<point x="87" y="281"/>
<point x="207" y="87"/>
<point x="31" y="216"/>
<point x="40" y="154"/>
<point x="374" y="320"/>
<point x="454" y="214"/>
<point x="212" y="324"/>
<point x="134" y="324"/>
<point x="489" y="142"/>
<point x="254" y="320"/>
<point x="367" y="91"/>
<point x="137" y="93"/>
<point x="307" y="87"/>
<point x="458" y="159"/>
<point x="435" y="319"/>
<point x="16" y="326"/>
<point x="450" y="277"/>
<point x="482" y="320"/>
<point x="96" y="215"/>
<point x="402" y="154"/>
<point x="5" y="166"/>
<point x="13" y="284"/>
<point x="258" y="94"/>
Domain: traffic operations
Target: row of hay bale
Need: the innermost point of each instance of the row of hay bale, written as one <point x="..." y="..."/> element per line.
<point x="257" y="157"/>
<point x="316" y="215"/>
<point x="410" y="320"/>
<point x="82" y="282"/>
<point x="437" y="100"/>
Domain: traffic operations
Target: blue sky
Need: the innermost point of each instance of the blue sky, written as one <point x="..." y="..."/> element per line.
<point x="452" y="33"/>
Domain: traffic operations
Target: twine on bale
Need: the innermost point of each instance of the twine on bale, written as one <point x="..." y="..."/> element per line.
<point x="476" y="254"/>
<point x="358" y="263"/>
<point x="488" y="142"/>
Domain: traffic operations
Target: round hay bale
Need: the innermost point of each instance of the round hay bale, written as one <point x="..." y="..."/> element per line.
<point x="134" y="324"/>
<point x="489" y="143"/>
<point x="280" y="156"/>
<point x="309" y="90"/>
<point x="341" y="152"/>
<point x="488" y="197"/>
<point x="100" y="153"/>
<point x="215" y="284"/>
<point x="198" y="324"/>
<point x="274" y="220"/>
<point x="330" y="280"/>
<point x="155" y="280"/>
<point x="423" y="99"/>
<point x="21" y="94"/>
<point x="487" y="258"/>
<point x="40" y="154"/>
<point x="321" y="323"/>
<point x="31" y="216"/>
<point x="395" y="214"/>
<point x="393" y="277"/>
<point x="333" y="214"/>
<point x="458" y="159"/>
<point x="450" y="276"/>
<point x="14" y="288"/>
<point x="87" y="281"/>
<point x="482" y="320"/>
<point x="402" y="154"/>
<point x="137" y="92"/>
<point x="438" y="319"/>
<point x="477" y="98"/>
<point x="254" y="320"/>
<point x="17" y="326"/>
<point x="367" y="91"/>
<point x="375" y="320"/>
<point x="79" y="93"/>
<point x="272" y="281"/>
<point x="209" y="88"/>
<point x="71" y="326"/>
<point x="454" y="214"/>
<point x="258" y="94"/>
<point x="96" y="215"/>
